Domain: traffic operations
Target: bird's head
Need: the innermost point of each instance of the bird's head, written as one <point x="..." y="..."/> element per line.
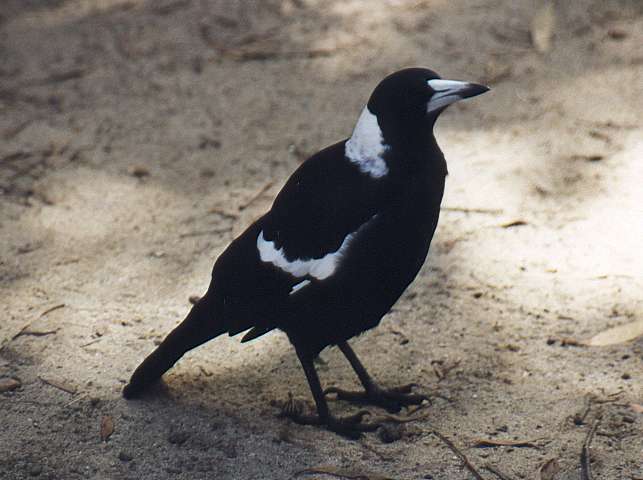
<point x="408" y="102"/>
<point x="400" y="115"/>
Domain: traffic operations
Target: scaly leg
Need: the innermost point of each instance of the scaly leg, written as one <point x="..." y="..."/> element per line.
<point x="391" y="399"/>
<point x="351" y="427"/>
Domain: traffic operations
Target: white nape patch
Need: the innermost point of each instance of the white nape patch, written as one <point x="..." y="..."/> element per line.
<point x="299" y="286"/>
<point x="446" y="93"/>
<point x="319" y="268"/>
<point x="366" y="146"/>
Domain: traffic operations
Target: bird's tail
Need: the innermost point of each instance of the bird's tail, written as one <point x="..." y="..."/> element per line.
<point x="198" y="327"/>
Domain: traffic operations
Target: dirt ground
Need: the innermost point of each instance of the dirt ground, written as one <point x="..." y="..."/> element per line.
<point x="137" y="137"/>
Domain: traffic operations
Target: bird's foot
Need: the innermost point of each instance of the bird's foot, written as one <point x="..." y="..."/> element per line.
<point x="350" y="427"/>
<point x="392" y="400"/>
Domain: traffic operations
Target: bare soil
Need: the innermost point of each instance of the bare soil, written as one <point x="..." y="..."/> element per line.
<point x="137" y="137"/>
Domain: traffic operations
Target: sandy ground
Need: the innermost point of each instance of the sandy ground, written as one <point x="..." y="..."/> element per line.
<point x="138" y="137"/>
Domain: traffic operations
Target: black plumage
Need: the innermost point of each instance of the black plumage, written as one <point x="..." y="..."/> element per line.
<point x="344" y="238"/>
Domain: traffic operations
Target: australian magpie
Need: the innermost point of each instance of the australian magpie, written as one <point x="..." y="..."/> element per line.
<point x="344" y="238"/>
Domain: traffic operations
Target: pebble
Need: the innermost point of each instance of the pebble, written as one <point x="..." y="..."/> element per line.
<point x="178" y="438"/>
<point x="125" y="457"/>
<point x="390" y="433"/>
<point x="35" y="470"/>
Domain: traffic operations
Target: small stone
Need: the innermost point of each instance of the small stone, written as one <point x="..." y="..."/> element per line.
<point x="626" y="376"/>
<point x="616" y="34"/>
<point x="178" y="438"/>
<point x="139" y="171"/>
<point x="9" y="384"/>
<point x="35" y="470"/>
<point x="390" y="433"/>
<point x="124" y="456"/>
<point x="228" y="449"/>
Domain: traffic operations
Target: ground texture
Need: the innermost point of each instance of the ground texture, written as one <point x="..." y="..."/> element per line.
<point x="138" y="137"/>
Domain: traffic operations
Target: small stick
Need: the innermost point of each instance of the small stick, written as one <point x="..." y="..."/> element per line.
<point x="36" y="333"/>
<point x="96" y="340"/>
<point x="25" y="330"/>
<point x="205" y="232"/>
<point x="496" y="472"/>
<point x="49" y="310"/>
<point x="488" y="211"/>
<point x="585" y="467"/>
<point x="382" y="456"/>
<point x="79" y="397"/>
<point x="256" y="196"/>
<point x="459" y="454"/>
<point x="483" y="443"/>
<point x="224" y="213"/>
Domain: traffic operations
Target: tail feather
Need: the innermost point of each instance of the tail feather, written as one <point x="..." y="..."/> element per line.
<point x="198" y="327"/>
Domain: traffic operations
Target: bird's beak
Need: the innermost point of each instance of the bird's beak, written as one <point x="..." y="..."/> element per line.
<point x="450" y="91"/>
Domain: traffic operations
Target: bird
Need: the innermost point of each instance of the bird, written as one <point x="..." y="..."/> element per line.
<point x="343" y="239"/>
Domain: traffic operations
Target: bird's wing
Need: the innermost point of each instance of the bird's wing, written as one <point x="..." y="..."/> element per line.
<point x="301" y="242"/>
<point x="323" y="202"/>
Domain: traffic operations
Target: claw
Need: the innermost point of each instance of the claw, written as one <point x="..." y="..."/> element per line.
<point x="351" y="427"/>
<point x="392" y="399"/>
<point x="408" y="388"/>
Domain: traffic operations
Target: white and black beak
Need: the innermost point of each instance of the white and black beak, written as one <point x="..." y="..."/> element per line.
<point x="447" y="92"/>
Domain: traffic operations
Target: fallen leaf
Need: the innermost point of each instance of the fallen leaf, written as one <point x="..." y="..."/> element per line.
<point x="106" y="427"/>
<point x="60" y="385"/>
<point x="549" y="469"/>
<point x="636" y="408"/>
<point x="542" y="27"/>
<point x="8" y="384"/>
<point x="342" y="473"/>
<point x="620" y="334"/>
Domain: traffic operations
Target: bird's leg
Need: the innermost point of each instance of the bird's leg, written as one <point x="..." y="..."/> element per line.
<point x="392" y="399"/>
<point x="351" y="427"/>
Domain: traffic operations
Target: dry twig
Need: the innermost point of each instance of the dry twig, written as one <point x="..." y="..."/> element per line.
<point x="256" y="196"/>
<point x="35" y="333"/>
<point x="483" y="443"/>
<point x="49" y="310"/>
<point x="342" y="473"/>
<point x="496" y="472"/>
<point x="216" y="231"/>
<point x="489" y="211"/>
<point x="458" y="453"/>
<point x="585" y="460"/>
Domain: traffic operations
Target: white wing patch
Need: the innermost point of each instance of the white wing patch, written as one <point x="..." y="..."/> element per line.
<point x="299" y="286"/>
<point x="366" y="146"/>
<point x="318" y="268"/>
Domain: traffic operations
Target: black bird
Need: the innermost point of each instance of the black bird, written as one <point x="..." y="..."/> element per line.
<point x="344" y="238"/>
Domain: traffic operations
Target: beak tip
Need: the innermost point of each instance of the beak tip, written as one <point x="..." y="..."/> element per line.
<point x="478" y="89"/>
